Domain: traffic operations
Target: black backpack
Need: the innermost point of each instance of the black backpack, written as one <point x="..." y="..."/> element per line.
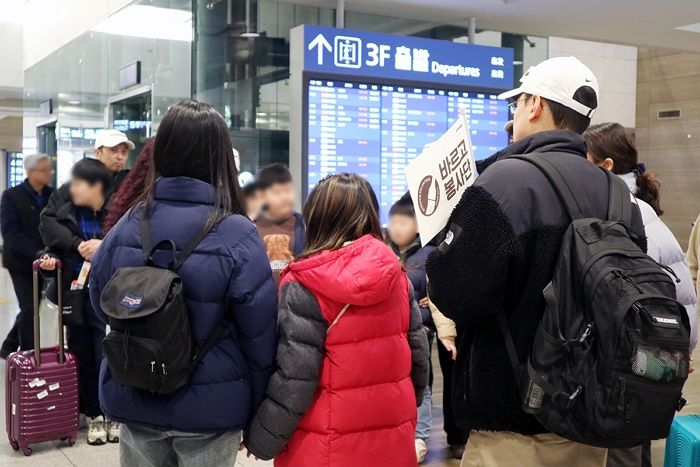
<point x="611" y="353"/>
<point x="150" y="344"/>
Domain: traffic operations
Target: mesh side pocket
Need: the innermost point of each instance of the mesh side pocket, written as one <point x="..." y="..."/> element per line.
<point x="658" y="364"/>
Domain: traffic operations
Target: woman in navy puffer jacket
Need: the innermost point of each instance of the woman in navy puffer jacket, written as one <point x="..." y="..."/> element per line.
<point x="228" y="274"/>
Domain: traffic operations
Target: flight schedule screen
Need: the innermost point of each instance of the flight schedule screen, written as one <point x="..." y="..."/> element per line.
<point x="376" y="130"/>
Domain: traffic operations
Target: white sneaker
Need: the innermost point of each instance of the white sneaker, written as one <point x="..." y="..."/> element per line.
<point x="97" y="431"/>
<point x="112" y="431"/>
<point x="421" y="450"/>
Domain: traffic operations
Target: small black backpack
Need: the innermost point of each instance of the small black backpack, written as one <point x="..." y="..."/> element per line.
<point x="150" y="344"/>
<point x="611" y="353"/>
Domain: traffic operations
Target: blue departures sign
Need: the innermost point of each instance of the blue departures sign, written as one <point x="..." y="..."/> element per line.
<point x="406" y="58"/>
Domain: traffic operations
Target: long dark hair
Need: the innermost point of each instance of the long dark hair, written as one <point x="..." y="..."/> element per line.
<point x="133" y="189"/>
<point x="341" y="208"/>
<point x="610" y="140"/>
<point x="193" y="141"/>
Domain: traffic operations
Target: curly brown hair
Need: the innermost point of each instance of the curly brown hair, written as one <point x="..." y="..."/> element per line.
<point x="133" y="189"/>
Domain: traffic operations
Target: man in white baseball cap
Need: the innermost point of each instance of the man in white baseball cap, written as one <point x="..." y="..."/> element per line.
<point x="112" y="149"/>
<point x="499" y="254"/>
<point x="558" y="93"/>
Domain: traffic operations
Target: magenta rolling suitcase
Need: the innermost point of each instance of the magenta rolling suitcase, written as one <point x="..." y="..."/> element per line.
<point x="41" y="399"/>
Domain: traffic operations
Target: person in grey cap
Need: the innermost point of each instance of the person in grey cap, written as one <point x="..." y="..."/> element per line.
<point x="19" y="221"/>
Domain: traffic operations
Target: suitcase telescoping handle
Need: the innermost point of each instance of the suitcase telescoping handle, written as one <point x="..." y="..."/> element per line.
<point x="37" y="293"/>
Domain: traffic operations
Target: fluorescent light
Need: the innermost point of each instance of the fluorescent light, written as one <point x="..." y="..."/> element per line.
<point x="12" y="11"/>
<point x="74" y="102"/>
<point x="149" y="22"/>
<point x="695" y="27"/>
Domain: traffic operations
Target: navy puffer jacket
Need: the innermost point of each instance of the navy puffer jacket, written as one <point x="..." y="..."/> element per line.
<point x="227" y="273"/>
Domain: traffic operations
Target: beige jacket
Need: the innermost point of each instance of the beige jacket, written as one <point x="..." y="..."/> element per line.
<point x="693" y="255"/>
<point x="445" y="326"/>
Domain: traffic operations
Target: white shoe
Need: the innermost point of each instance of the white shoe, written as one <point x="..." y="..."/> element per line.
<point x="421" y="450"/>
<point x="112" y="431"/>
<point x="97" y="431"/>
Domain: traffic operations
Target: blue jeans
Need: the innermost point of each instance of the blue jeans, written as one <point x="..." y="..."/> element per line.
<point x="148" y="447"/>
<point x="425" y="415"/>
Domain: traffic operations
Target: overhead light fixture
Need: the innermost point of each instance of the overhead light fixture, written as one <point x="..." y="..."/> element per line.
<point x="74" y="102"/>
<point x="149" y="22"/>
<point x="248" y="33"/>
<point x="695" y="27"/>
<point x="12" y="11"/>
<point x="212" y="4"/>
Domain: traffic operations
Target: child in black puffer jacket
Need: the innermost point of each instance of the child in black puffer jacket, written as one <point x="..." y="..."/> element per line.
<point x="405" y="241"/>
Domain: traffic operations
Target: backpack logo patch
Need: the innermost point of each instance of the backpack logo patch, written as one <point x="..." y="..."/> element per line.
<point x="131" y="301"/>
<point x="662" y="320"/>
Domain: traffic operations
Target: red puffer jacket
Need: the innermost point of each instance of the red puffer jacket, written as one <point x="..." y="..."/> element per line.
<point x="352" y="391"/>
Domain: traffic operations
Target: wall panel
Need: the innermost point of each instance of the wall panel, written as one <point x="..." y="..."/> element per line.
<point x="668" y="79"/>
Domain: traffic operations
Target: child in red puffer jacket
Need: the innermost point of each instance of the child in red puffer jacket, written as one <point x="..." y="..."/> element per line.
<point x="353" y="354"/>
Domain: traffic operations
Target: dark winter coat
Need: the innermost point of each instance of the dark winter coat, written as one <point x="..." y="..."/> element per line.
<point x="414" y="264"/>
<point x="52" y="229"/>
<point x="504" y="239"/>
<point x="347" y="397"/>
<point x="19" y="222"/>
<point x="63" y="246"/>
<point x="227" y="274"/>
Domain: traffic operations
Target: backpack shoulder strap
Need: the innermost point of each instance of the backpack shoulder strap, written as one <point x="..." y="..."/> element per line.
<point x="620" y="206"/>
<point x="510" y="345"/>
<point x="337" y="318"/>
<point x="558" y="182"/>
<point x="146" y="240"/>
<point x="178" y="258"/>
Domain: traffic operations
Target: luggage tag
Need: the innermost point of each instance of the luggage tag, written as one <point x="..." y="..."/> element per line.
<point x="83" y="275"/>
<point x="36" y="382"/>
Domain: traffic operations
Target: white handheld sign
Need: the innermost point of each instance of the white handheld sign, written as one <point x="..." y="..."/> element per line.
<point x="439" y="176"/>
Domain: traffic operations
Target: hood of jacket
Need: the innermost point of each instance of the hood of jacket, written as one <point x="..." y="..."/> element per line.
<point x="361" y="273"/>
<point x="544" y="141"/>
<point x="630" y="178"/>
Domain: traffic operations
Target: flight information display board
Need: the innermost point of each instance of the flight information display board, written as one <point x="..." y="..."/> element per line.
<point x="371" y="102"/>
<point x="376" y="130"/>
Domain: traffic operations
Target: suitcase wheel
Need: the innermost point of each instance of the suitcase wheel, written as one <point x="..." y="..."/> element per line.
<point x="69" y="441"/>
<point x="15" y="445"/>
<point x="27" y="451"/>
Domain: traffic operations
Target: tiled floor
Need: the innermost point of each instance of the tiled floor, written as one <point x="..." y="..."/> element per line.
<point x="57" y="454"/>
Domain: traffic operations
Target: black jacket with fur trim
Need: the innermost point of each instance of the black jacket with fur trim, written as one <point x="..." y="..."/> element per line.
<point x="506" y="233"/>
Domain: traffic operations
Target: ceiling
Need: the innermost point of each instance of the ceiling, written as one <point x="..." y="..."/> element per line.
<point x="633" y="22"/>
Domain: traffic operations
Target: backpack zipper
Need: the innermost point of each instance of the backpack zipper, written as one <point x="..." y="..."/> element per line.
<point x="669" y="270"/>
<point x="627" y="279"/>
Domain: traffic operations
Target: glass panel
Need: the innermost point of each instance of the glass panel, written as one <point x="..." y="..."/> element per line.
<point x="82" y="77"/>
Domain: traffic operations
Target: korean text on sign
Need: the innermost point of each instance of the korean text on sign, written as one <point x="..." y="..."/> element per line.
<point x="439" y="176"/>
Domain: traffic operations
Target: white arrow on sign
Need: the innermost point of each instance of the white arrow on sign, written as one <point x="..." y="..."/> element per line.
<point x="321" y="43"/>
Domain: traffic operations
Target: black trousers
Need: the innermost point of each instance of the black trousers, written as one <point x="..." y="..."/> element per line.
<point x="85" y="342"/>
<point x="455" y="434"/>
<point x="22" y="332"/>
<point x="639" y="456"/>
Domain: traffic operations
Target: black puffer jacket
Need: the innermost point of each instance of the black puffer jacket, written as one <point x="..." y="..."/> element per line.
<point x="507" y="233"/>
<point x="56" y="234"/>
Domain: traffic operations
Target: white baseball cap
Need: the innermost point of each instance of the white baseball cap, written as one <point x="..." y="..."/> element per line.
<point x="112" y="138"/>
<point x="557" y="79"/>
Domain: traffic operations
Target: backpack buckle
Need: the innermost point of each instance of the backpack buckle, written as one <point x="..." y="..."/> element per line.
<point x="573" y="397"/>
<point x="682" y="402"/>
<point x="586" y="334"/>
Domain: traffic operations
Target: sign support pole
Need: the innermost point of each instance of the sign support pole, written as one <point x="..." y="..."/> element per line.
<point x="472" y="30"/>
<point x="340" y="14"/>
